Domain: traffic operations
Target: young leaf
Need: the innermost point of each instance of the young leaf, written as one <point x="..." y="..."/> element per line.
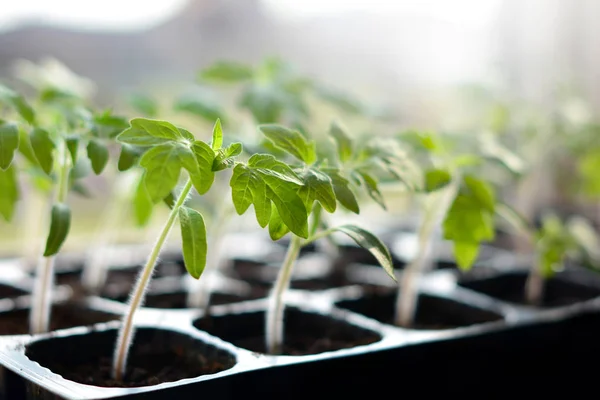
<point x="25" y="147"/>
<point x="436" y="179"/>
<point x="149" y="132"/>
<point x="144" y="104"/>
<point x="163" y="166"/>
<point x="18" y="102"/>
<point x="10" y="192"/>
<point x="205" y="158"/>
<point x="247" y="187"/>
<point x="193" y="235"/>
<point x="372" y="243"/>
<point x="43" y="148"/>
<point x="200" y="107"/>
<point x="226" y="71"/>
<point x="277" y="229"/>
<point x="9" y="142"/>
<point x="372" y="188"/>
<point x="317" y="187"/>
<point x="465" y="254"/>
<point x="290" y="207"/>
<point x="72" y="143"/>
<point x="59" y="228"/>
<point x="267" y="164"/>
<point x="224" y="157"/>
<point x="343" y="193"/>
<point x="127" y="157"/>
<point x="142" y="204"/>
<point x="291" y="141"/>
<point x="217" y="136"/>
<point x="343" y="142"/>
<point x="98" y="155"/>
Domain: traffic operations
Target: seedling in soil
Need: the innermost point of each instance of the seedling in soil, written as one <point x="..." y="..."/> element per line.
<point x="287" y="198"/>
<point x="167" y="150"/>
<point x="454" y="199"/>
<point x="49" y="138"/>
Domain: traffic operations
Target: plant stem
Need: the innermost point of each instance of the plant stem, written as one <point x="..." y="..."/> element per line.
<point x="275" y="311"/>
<point x="125" y="336"/>
<point x="41" y="307"/>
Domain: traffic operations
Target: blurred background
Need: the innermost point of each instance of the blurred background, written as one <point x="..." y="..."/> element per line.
<point x="433" y="64"/>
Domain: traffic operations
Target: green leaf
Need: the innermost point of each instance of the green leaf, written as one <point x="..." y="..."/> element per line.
<point x="193" y="235"/>
<point x="200" y="107"/>
<point x="205" y="157"/>
<point x="128" y="157"/>
<point x="277" y="229"/>
<point x="372" y="243"/>
<point x="343" y="142"/>
<point x="98" y="155"/>
<point x="241" y="195"/>
<point x="317" y="187"/>
<point x="144" y="104"/>
<point x="268" y="164"/>
<point x="43" y="148"/>
<point x="224" y="158"/>
<point x="481" y="191"/>
<point x="25" y="147"/>
<point x="466" y="254"/>
<point x="108" y="126"/>
<point x="290" y="141"/>
<point x="148" y="132"/>
<point x="163" y="167"/>
<point x="217" y="136"/>
<point x="290" y="206"/>
<point x="170" y="200"/>
<point x="18" y="102"/>
<point x="60" y="224"/>
<point x="226" y="71"/>
<point x="72" y="143"/>
<point x="372" y="188"/>
<point x="9" y="188"/>
<point x="436" y="179"/>
<point x="588" y="165"/>
<point x="341" y="187"/>
<point x="9" y="143"/>
<point x="142" y="204"/>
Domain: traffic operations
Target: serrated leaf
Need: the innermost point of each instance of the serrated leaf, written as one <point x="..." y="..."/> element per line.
<point x="9" y="143"/>
<point x="247" y="187"/>
<point x="290" y="141"/>
<point x="268" y="164"/>
<point x="201" y="179"/>
<point x="128" y="157"/>
<point x="436" y="179"/>
<point x="372" y="243"/>
<point x="142" y="204"/>
<point x="290" y="207"/>
<point x="317" y="187"/>
<point x="10" y="192"/>
<point x="205" y="157"/>
<point x="224" y="157"/>
<point x="226" y="71"/>
<point x="72" y="143"/>
<point x="19" y="103"/>
<point x="277" y="229"/>
<point x="149" y="132"/>
<point x="43" y="148"/>
<point x="372" y="188"/>
<point x="193" y="235"/>
<point x="98" y="155"/>
<point x="217" y="136"/>
<point x="60" y="224"/>
<point x="465" y="254"/>
<point x="343" y="142"/>
<point x="163" y="167"/>
<point x="344" y="195"/>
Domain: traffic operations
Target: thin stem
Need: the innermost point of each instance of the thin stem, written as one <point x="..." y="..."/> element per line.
<point x="139" y="291"/>
<point x="275" y="311"/>
<point x="41" y="307"/>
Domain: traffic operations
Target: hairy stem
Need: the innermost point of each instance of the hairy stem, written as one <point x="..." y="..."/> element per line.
<point x="41" y="306"/>
<point x="125" y="336"/>
<point x="275" y="311"/>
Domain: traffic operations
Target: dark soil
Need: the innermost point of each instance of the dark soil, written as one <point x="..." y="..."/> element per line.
<point x="9" y="292"/>
<point x="305" y="333"/>
<point x="510" y="287"/>
<point x="146" y="367"/>
<point x="178" y="300"/>
<point x="433" y="313"/>
<point x="63" y="316"/>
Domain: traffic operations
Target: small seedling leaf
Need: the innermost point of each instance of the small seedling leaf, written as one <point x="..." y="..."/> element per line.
<point x="436" y="179"/>
<point x="144" y="104"/>
<point x="72" y="143"/>
<point x="372" y="188"/>
<point x="17" y="101"/>
<point x="217" y="136"/>
<point x="343" y="142"/>
<point x="163" y="167"/>
<point x="344" y="195"/>
<point x="149" y="132"/>
<point x="193" y="235"/>
<point x="226" y="71"/>
<point x="128" y="157"/>
<point x="277" y="229"/>
<point x="10" y="192"/>
<point x="60" y="224"/>
<point x="372" y="243"/>
<point x="465" y="254"/>
<point x="290" y="206"/>
<point x="43" y="148"/>
<point x="98" y="155"/>
<point x="142" y="204"/>
<point x="9" y="143"/>
<point x="317" y="187"/>
<point x="205" y="158"/>
<point x="290" y="141"/>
